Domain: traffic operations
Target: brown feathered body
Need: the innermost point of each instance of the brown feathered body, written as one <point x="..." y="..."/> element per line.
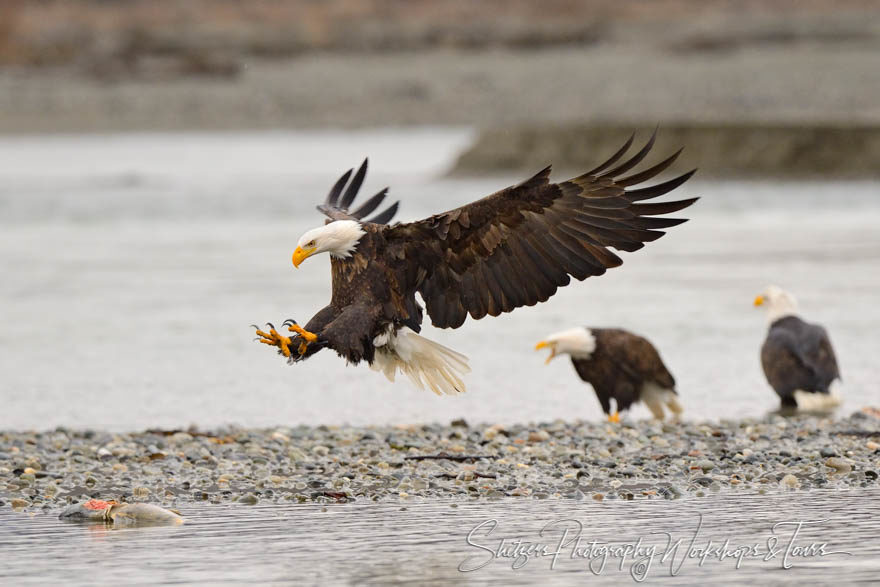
<point x="373" y="294"/>
<point x="622" y="367"/>
<point x="798" y="357"/>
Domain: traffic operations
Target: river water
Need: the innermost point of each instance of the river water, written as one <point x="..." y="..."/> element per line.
<point x="133" y="265"/>
<point x="427" y="543"/>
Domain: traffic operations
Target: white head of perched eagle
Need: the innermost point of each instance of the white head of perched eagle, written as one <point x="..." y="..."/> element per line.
<point x="513" y="248"/>
<point x="579" y="343"/>
<point x="778" y="302"/>
<point x="620" y="365"/>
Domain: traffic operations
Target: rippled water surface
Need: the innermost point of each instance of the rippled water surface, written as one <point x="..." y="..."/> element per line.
<point x="425" y="543"/>
<point x="133" y="265"/>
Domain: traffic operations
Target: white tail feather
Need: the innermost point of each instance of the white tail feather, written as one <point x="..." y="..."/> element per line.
<point x="819" y="402"/>
<point x="656" y="397"/>
<point x="425" y="362"/>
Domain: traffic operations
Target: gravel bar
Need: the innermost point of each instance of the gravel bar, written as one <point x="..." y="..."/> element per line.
<point x="557" y="460"/>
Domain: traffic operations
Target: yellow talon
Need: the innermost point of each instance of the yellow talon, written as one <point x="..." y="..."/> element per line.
<point x="308" y="336"/>
<point x="614" y="418"/>
<point x="272" y="338"/>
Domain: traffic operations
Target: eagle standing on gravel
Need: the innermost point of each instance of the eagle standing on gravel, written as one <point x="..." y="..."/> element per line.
<point x="513" y="248"/>
<point x="620" y="365"/>
<point x="797" y="357"/>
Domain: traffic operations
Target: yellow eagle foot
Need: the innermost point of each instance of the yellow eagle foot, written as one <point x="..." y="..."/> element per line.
<point x="273" y="338"/>
<point x="614" y="418"/>
<point x="306" y="336"/>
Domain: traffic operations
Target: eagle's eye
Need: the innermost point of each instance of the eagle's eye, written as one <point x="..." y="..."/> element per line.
<point x="310" y="244"/>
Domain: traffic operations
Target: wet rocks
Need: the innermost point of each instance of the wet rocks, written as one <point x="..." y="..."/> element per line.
<point x="556" y="460"/>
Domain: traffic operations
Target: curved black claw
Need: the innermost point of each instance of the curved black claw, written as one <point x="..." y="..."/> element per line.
<point x="289" y="322"/>
<point x="255" y="327"/>
<point x="270" y="325"/>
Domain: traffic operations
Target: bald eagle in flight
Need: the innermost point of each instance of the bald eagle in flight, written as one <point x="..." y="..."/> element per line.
<point x="619" y="365"/>
<point x="513" y="248"/>
<point x="797" y="356"/>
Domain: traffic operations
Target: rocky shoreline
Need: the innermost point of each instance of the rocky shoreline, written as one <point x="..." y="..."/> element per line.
<point x="740" y="149"/>
<point x="559" y="460"/>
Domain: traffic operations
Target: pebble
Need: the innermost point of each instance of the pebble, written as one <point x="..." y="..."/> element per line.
<point x="539" y="436"/>
<point x="789" y="481"/>
<point x="706" y="465"/>
<point x="492" y="432"/>
<point x="840" y="465"/>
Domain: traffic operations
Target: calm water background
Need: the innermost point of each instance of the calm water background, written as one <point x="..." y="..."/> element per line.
<point x="132" y="266"/>
<point x="424" y="543"/>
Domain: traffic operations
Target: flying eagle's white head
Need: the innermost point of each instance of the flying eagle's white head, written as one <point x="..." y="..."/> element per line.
<point x="779" y="303"/>
<point x="339" y="238"/>
<point x="577" y="342"/>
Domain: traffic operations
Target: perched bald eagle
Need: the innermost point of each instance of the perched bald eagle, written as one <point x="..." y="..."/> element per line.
<point x="513" y="248"/>
<point x="619" y="365"/>
<point x="797" y="356"/>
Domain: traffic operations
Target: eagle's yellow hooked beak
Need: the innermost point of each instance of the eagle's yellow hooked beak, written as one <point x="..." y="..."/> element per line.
<point x="759" y="301"/>
<point x="545" y="344"/>
<point x="301" y="254"/>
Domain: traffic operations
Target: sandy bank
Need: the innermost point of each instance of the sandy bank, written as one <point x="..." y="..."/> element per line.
<point x="503" y="88"/>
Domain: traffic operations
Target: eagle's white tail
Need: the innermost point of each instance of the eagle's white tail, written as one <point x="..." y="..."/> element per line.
<point x="425" y="362"/>
<point x="819" y="402"/>
<point x="656" y="397"/>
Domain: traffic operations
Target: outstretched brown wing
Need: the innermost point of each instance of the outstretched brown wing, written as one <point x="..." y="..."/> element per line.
<point x="337" y="204"/>
<point x="517" y="246"/>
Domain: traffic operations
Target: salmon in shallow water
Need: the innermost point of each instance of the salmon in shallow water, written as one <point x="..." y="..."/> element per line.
<point x="97" y="510"/>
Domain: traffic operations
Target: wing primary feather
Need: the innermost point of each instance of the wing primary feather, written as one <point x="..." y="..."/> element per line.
<point x="524" y="268"/>
<point x="648" y="173"/>
<point x="385" y="216"/>
<point x="603" y="202"/>
<point x="650" y="222"/>
<point x="610" y="223"/>
<point x="634" y="160"/>
<point x="659" y="189"/>
<point x="614" y="158"/>
<point x="333" y="196"/>
<point x="661" y="207"/>
<point x="370" y="205"/>
<point x="354" y="186"/>
<point x="502" y="274"/>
